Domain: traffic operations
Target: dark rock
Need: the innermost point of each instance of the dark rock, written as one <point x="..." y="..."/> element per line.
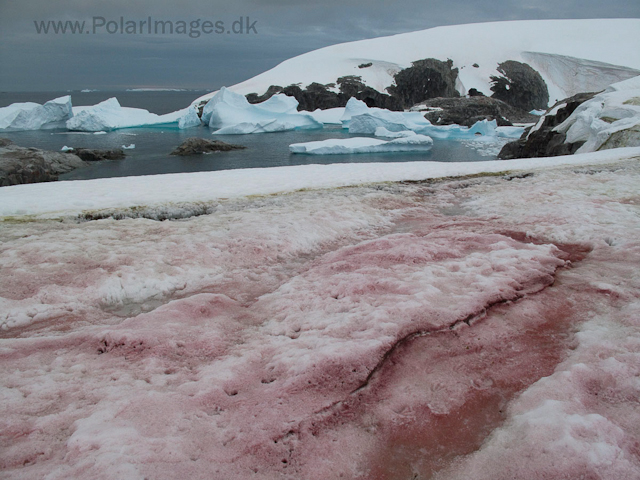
<point x="94" y="155"/>
<point x="20" y="165"/>
<point x="271" y="91"/>
<point x="429" y="78"/>
<point x="196" y="146"/>
<point x="365" y="65"/>
<point x="544" y="142"/>
<point x="467" y="111"/>
<point x="475" y="65"/>
<point x="352" y="86"/>
<point x="520" y="86"/>
<point x="316" y="95"/>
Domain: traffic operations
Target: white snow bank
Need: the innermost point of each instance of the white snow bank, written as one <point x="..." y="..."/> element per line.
<point x="410" y="143"/>
<point x="32" y="116"/>
<point x="231" y="113"/>
<point x="556" y="48"/>
<point x="109" y="115"/>
<point x="71" y="198"/>
<point x="615" y="110"/>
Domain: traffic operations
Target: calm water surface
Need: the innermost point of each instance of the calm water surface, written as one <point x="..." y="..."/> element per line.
<point x="153" y="144"/>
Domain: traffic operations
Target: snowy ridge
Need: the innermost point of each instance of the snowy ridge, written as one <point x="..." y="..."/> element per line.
<point x="72" y="198"/>
<point x="605" y="48"/>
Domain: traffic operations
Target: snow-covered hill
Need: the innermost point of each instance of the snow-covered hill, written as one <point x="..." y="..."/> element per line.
<point x="571" y="55"/>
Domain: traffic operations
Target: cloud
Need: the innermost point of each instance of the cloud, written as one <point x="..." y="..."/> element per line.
<point x="285" y="28"/>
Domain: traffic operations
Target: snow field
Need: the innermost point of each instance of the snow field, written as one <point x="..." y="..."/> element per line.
<point x="308" y="335"/>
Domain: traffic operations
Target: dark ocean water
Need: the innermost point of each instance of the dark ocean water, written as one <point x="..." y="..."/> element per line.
<point x="153" y="144"/>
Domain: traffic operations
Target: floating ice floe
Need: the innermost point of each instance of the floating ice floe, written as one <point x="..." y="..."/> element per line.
<point x="129" y="147"/>
<point x="383" y="132"/>
<point x="66" y="149"/>
<point x="341" y="146"/>
<point x="231" y="113"/>
<point x="109" y="115"/>
<point x="33" y="116"/>
<point x="609" y="120"/>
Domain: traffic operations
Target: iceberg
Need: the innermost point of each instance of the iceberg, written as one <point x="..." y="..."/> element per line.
<point x="483" y="128"/>
<point x="339" y="146"/>
<point x="280" y="103"/>
<point x="362" y="120"/>
<point x="230" y="113"/>
<point x="189" y="119"/>
<point x="354" y="107"/>
<point x="33" y="116"/>
<point x="109" y="115"/>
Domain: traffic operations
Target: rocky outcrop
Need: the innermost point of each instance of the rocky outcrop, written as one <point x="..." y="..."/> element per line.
<point x="629" y="137"/>
<point x="520" y="86"/>
<point x="20" y="165"/>
<point x="94" y="155"/>
<point x="255" y="98"/>
<point x="467" y="111"/>
<point x="320" y="96"/>
<point x="428" y="78"/>
<point x="352" y="86"/>
<point x="541" y="140"/>
<point x="197" y="146"/>
<point x="425" y="79"/>
<point x="314" y="96"/>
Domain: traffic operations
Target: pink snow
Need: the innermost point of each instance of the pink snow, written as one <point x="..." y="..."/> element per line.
<point x="483" y="327"/>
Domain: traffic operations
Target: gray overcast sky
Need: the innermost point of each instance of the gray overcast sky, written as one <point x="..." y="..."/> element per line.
<point x="285" y="28"/>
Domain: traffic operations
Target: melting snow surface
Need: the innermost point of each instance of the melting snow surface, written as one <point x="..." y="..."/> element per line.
<point x="484" y="327"/>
